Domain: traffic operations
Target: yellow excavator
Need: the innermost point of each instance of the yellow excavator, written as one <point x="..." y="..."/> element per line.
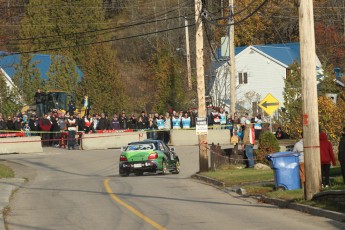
<point x="52" y="100"/>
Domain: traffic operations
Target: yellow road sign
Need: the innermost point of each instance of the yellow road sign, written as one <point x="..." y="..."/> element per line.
<point x="269" y="104"/>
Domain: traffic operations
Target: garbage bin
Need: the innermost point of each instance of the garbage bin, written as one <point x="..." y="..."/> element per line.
<point x="286" y="170"/>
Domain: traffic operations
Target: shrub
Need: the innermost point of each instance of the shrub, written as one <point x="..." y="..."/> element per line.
<point x="268" y="144"/>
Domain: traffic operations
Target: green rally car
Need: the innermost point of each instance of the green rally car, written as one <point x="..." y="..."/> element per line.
<point x="148" y="156"/>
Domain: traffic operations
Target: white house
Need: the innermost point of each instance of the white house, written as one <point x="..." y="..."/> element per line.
<point x="7" y="78"/>
<point x="260" y="70"/>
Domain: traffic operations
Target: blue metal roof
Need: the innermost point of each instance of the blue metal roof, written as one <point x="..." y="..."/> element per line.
<point x="42" y="62"/>
<point x="285" y="53"/>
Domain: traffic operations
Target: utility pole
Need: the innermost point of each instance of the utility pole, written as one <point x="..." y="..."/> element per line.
<point x="309" y="100"/>
<point x="189" y="68"/>
<point x="232" y="58"/>
<point x="199" y="44"/>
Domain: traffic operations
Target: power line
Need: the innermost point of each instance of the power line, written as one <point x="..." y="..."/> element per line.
<point x="100" y="42"/>
<point x="111" y="28"/>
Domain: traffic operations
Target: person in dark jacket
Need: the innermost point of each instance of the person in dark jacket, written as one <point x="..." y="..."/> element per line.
<point x="341" y="154"/>
<point x="327" y="157"/>
<point x="9" y="124"/>
<point x="32" y="125"/>
<point x="144" y="120"/>
<point x="18" y="124"/>
<point x="45" y="126"/>
<point x="39" y="99"/>
<point x="102" y="123"/>
<point x="132" y="124"/>
<point x="55" y="135"/>
<point x="123" y="120"/>
<point x="2" y="123"/>
<point x="71" y="108"/>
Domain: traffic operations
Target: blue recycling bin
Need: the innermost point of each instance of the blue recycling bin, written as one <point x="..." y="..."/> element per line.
<point x="286" y="170"/>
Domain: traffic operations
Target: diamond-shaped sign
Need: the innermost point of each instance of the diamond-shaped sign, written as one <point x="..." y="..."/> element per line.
<point x="269" y="104"/>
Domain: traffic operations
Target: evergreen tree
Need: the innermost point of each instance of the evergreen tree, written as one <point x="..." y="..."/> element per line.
<point x="10" y="103"/>
<point x="169" y="89"/>
<point x="27" y="78"/>
<point x="62" y="74"/>
<point x="291" y="113"/>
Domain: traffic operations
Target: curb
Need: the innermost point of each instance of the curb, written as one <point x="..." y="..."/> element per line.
<point x="7" y="187"/>
<point x="209" y="180"/>
<point x="279" y="202"/>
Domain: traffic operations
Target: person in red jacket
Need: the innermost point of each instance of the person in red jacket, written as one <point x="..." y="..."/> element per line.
<point x="327" y="157"/>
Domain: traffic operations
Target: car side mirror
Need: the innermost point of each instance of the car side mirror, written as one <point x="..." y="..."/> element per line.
<point x="172" y="149"/>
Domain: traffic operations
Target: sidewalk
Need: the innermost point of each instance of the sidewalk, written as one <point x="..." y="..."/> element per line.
<point x="278" y="202"/>
<point x="7" y="188"/>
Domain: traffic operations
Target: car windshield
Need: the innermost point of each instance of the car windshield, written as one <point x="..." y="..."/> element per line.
<point x="140" y="147"/>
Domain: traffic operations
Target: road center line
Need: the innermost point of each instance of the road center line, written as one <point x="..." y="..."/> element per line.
<point x="130" y="208"/>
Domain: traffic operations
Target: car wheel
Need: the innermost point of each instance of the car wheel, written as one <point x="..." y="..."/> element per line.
<point x="164" y="167"/>
<point x="177" y="167"/>
<point x="139" y="173"/>
<point x="123" y="174"/>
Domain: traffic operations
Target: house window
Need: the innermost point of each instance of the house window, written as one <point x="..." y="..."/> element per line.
<point x="243" y="78"/>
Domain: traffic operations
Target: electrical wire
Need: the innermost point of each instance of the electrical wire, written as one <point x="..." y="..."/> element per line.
<point x="98" y="42"/>
<point x="111" y="28"/>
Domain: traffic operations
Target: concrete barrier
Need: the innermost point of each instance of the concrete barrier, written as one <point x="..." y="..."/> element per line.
<point x="20" y="145"/>
<point x="189" y="137"/>
<point x="110" y="140"/>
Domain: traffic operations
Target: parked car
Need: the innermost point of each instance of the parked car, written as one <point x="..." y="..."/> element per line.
<point x="148" y="156"/>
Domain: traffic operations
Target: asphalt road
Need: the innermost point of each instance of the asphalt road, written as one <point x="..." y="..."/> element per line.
<point x="82" y="190"/>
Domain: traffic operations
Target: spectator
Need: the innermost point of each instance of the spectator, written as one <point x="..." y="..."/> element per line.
<point x="249" y="141"/>
<point x="2" y="123"/>
<point x="71" y="108"/>
<point x="152" y="126"/>
<point x="258" y="126"/>
<point x="26" y="129"/>
<point x="132" y="122"/>
<point x="123" y="121"/>
<point x="160" y="126"/>
<point x="186" y="121"/>
<point x="327" y="157"/>
<point x="72" y="127"/>
<point x="215" y="119"/>
<point x="45" y="126"/>
<point x="115" y="123"/>
<point x="87" y="123"/>
<point x="95" y="122"/>
<point x="39" y="98"/>
<point x="341" y="154"/>
<point x="176" y="121"/>
<point x="141" y="124"/>
<point x="192" y="114"/>
<point x="102" y="123"/>
<point x="17" y="124"/>
<point x="222" y="118"/>
<point x="55" y="131"/>
<point x="279" y="134"/>
<point x="145" y="119"/>
<point x="299" y="149"/>
<point x="167" y="127"/>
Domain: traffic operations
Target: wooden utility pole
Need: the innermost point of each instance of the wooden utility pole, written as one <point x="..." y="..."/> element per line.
<point x="189" y="68"/>
<point x="232" y="59"/>
<point x="309" y="100"/>
<point x="199" y="43"/>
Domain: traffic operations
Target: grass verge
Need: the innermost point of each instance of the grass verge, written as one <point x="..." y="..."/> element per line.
<point x="6" y="172"/>
<point x="261" y="183"/>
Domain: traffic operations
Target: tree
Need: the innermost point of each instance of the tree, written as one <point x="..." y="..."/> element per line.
<point x="10" y="102"/>
<point x="169" y="90"/>
<point x="62" y="74"/>
<point x="27" y="78"/>
<point x="291" y="115"/>
<point x="101" y="82"/>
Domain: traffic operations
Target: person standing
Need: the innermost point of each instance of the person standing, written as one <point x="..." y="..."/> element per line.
<point x="327" y="157"/>
<point x="249" y="141"/>
<point x="45" y="126"/>
<point x="39" y="102"/>
<point x="298" y="147"/>
<point x="341" y="154"/>
<point x="102" y="122"/>
<point x="186" y="121"/>
<point x="258" y="126"/>
<point x="167" y="127"/>
<point x="72" y="127"/>
<point x="123" y="120"/>
<point x="115" y="123"/>
<point x="71" y="108"/>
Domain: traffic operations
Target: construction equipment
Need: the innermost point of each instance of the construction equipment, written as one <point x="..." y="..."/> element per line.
<point x="52" y="100"/>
